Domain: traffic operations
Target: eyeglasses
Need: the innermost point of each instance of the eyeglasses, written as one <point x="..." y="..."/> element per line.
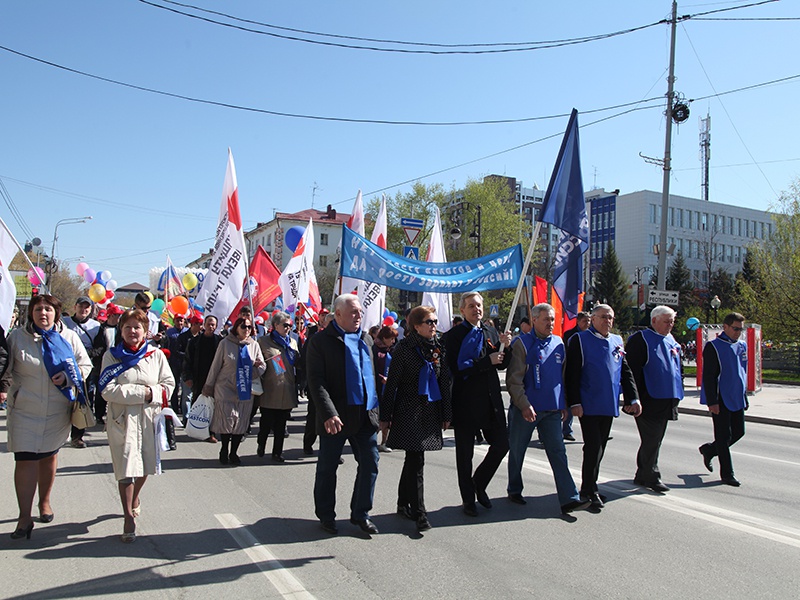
<point x="431" y="322"/>
<point x="737" y="328"/>
<point x="285" y="324"/>
<point x="245" y="326"/>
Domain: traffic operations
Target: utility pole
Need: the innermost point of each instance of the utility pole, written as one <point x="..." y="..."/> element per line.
<point x="662" y="247"/>
<point x="705" y="155"/>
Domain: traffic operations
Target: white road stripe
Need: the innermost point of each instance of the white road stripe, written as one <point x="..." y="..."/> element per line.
<point x="759" y="457"/>
<point x="284" y="582"/>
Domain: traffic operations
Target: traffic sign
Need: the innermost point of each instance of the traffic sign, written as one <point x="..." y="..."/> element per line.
<point x="411" y="252"/>
<point x="668" y="297"/>
<point x="411" y="227"/>
<point x="494" y="311"/>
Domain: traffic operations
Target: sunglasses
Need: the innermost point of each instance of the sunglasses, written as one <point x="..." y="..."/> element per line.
<point x="431" y="322"/>
<point x="737" y="328"/>
<point x="285" y="324"/>
<point x="245" y="326"/>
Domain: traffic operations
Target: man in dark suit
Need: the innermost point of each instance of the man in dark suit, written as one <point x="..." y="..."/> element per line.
<point x="581" y="324"/>
<point x="477" y="403"/>
<point x="655" y="359"/>
<point x="341" y="384"/>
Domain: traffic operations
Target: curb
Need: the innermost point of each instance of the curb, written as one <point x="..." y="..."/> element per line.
<point x="751" y="418"/>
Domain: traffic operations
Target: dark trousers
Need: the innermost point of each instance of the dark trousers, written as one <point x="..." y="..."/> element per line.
<point x="310" y="432"/>
<point x="91" y="387"/>
<point x="497" y="437"/>
<point x="651" y="434"/>
<point x="365" y="450"/>
<point x="410" y="490"/>
<point x="728" y="429"/>
<point x="595" y="430"/>
<point x="274" y="420"/>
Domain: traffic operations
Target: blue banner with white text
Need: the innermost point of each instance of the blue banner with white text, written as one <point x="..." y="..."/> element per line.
<point x="361" y="259"/>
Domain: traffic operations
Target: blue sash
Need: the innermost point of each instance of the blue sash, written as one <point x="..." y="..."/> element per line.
<point x="244" y="373"/>
<point x="471" y="347"/>
<point x="428" y="384"/>
<point x="58" y="357"/>
<point x="127" y="359"/>
<point x="356" y="361"/>
<point x="284" y="343"/>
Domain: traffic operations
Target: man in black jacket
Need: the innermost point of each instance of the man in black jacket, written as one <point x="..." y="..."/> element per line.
<point x="477" y="403"/>
<point x="200" y="351"/>
<point x="341" y="384"/>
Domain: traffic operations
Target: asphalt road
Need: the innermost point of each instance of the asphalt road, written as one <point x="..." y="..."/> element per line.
<point x="209" y="531"/>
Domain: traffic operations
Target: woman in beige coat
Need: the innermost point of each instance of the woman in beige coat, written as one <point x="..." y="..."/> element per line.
<point x="280" y="391"/>
<point x="46" y="367"/>
<point x="136" y="381"/>
<point x="237" y="361"/>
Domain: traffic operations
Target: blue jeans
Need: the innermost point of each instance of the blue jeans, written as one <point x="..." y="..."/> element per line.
<point x="520" y="432"/>
<point x="365" y="450"/>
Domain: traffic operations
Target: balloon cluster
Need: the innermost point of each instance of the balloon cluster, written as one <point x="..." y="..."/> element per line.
<point x="101" y="284"/>
<point x="390" y="318"/>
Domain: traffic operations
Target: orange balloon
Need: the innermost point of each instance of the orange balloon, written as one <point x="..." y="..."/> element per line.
<point x="179" y="305"/>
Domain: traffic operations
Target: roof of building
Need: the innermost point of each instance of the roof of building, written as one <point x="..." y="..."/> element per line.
<point x="131" y="288"/>
<point x="330" y="216"/>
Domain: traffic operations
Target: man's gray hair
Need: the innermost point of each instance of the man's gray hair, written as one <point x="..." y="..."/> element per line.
<point x="661" y="310"/>
<point x="466" y="296"/>
<point x="280" y="317"/>
<point x="598" y="307"/>
<point x="344" y="299"/>
<point x="540" y="308"/>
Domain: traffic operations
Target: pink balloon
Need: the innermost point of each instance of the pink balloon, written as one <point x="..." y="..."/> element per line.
<point x="81" y="267"/>
<point x="36" y="276"/>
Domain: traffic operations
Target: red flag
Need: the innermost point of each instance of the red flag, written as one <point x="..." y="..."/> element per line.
<point x="539" y="291"/>
<point x="558" y="328"/>
<point x="263" y="282"/>
<point x="570" y="323"/>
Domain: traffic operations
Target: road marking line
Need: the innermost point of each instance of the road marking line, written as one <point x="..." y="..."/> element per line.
<point x="785" y="462"/>
<point x="284" y="582"/>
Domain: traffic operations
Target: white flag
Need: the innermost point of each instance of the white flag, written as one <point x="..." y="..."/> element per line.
<point x="347" y="285"/>
<point x="299" y="271"/>
<point x="8" y="291"/>
<point x="224" y="282"/>
<point x="373" y="295"/>
<point x="443" y="303"/>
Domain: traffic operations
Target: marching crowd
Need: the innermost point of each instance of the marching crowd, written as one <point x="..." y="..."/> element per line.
<point x="408" y="385"/>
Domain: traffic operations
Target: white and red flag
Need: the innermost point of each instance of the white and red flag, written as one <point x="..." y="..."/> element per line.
<point x="8" y="291"/>
<point x="348" y="285"/>
<point x="262" y="283"/>
<point x="443" y="303"/>
<point x="225" y="280"/>
<point x="373" y="295"/>
<point x="295" y="281"/>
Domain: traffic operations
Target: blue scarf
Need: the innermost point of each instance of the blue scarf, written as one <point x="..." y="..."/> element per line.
<point x="244" y="373"/>
<point x="285" y="344"/>
<point x="127" y="358"/>
<point x="356" y="358"/>
<point x="428" y="384"/>
<point x="59" y="357"/>
<point x="471" y="347"/>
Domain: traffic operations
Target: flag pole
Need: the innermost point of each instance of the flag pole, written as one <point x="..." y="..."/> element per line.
<point x="523" y="273"/>
<point x="25" y="254"/>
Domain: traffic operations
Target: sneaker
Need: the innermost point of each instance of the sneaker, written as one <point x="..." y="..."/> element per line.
<point x="384" y="448"/>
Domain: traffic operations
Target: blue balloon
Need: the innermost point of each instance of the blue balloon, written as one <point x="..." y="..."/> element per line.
<point x="692" y="323"/>
<point x="293" y="237"/>
<point x="393" y="315"/>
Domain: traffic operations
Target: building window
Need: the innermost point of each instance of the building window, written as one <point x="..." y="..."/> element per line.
<point x="269" y="239"/>
<point x="653" y="213"/>
<point x="705" y="221"/>
<point x="323" y="260"/>
<point x="323" y="239"/>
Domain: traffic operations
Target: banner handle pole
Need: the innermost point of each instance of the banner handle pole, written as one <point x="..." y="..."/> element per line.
<point x="521" y="282"/>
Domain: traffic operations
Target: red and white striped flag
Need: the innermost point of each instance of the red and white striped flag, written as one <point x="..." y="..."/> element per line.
<point x="443" y="303"/>
<point x="373" y="295"/>
<point x="224" y="282"/>
<point x="348" y="285"/>
<point x="295" y="281"/>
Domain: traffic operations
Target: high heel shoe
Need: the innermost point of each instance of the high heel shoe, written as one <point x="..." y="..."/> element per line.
<point x="137" y="510"/>
<point x="46" y="517"/>
<point x="23" y="533"/>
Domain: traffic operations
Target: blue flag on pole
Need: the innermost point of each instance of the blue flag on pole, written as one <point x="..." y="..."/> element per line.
<point x="564" y="207"/>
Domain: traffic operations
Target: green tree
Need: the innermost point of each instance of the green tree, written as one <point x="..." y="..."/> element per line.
<point x="723" y="286"/>
<point x="611" y="287"/>
<point x="679" y="279"/>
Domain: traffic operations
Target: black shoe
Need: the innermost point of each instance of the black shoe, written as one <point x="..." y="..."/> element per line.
<point x="308" y="451"/>
<point x="483" y="497"/>
<point x="517" y="499"/>
<point x="575" y="505"/>
<point x="173" y="446"/>
<point x="405" y="512"/>
<point x="569" y="437"/>
<point x="596" y="501"/>
<point x="706" y="460"/>
<point x="656" y="486"/>
<point x="23" y="533"/>
<point x="365" y="525"/>
<point x="223" y="458"/>
<point x="260" y="451"/>
<point x="46" y="518"/>
<point x="278" y="458"/>
<point x="329" y="527"/>
<point x="470" y="509"/>
<point x="422" y="523"/>
<point x="731" y="481"/>
<point x="235" y="460"/>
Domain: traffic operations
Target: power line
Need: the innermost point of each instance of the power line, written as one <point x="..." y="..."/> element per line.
<point x="527" y="46"/>
<point x="12" y="207"/>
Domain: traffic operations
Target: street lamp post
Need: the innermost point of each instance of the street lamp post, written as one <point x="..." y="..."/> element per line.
<point x="51" y="266"/>
<point x="715" y="304"/>
<point x="456" y="232"/>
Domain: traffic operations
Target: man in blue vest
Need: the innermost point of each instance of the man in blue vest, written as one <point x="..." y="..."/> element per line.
<point x="724" y="391"/>
<point x="534" y="380"/>
<point x="655" y="359"/>
<point x="595" y="373"/>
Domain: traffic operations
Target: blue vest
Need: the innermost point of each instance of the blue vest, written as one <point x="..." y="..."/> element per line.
<point x="601" y="373"/>
<point x="544" y="384"/>
<point x="662" y="371"/>
<point x="732" y="381"/>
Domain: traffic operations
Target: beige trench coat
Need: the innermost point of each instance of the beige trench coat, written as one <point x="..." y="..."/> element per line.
<point x="38" y="413"/>
<point x="231" y="415"/>
<point x="130" y="422"/>
<point x="280" y="391"/>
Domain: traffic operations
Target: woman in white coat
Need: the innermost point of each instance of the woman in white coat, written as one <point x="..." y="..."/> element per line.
<point x="136" y="381"/>
<point x="47" y="364"/>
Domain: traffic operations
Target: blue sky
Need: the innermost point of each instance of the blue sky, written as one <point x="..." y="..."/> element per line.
<point x="150" y="168"/>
